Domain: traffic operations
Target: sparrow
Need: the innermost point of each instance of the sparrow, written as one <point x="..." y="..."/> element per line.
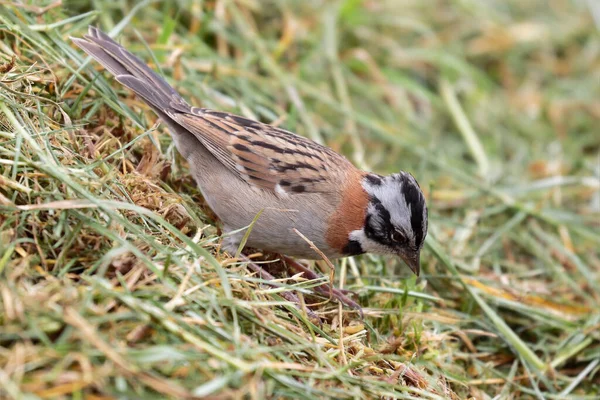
<point x="244" y="167"/>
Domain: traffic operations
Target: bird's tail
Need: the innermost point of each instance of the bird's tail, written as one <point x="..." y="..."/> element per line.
<point x="131" y="71"/>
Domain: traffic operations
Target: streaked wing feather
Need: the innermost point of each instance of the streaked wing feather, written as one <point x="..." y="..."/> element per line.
<point x="263" y="155"/>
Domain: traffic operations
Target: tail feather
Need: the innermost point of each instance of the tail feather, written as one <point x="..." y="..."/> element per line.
<point x="142" y="89"/>
<point x="100" y="55"/>
<point x="131" y="71"/>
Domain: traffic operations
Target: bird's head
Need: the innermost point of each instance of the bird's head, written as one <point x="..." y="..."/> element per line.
<point x="395" y="220"/>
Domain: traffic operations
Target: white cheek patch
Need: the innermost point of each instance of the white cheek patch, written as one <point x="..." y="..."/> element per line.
<point x="368" y="245"/>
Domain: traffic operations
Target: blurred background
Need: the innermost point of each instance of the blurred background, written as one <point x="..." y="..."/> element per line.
<point x="113" y="284"/>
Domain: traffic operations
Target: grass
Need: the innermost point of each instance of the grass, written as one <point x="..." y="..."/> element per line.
<point x="112" y="283"/>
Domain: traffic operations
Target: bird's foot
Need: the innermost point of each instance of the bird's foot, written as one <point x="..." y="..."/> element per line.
<point x="326" y="290"/>
<point x="289" y="296"/>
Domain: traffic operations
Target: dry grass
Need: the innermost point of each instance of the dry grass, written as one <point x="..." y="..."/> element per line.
<point x="112" y="284"/>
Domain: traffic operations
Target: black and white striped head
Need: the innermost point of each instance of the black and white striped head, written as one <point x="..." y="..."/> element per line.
<point x="396" y="218"/>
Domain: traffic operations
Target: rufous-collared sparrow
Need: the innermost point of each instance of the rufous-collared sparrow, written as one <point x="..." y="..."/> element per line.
<point x="244" y="167"/>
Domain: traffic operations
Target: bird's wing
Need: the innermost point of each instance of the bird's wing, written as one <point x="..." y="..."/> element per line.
<point x="266" y="156"/>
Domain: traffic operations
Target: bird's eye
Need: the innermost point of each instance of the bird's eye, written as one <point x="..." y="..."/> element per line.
<point x="398" y="237"/>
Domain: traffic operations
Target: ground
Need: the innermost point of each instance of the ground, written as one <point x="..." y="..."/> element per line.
<point x="112" y="281"/>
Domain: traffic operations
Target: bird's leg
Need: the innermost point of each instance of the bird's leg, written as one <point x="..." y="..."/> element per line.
<point x="289" y="296"/>
<point x="324" y="289"/>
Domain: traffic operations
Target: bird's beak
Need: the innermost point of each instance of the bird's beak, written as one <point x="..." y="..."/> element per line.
<point x="413" y="260"/>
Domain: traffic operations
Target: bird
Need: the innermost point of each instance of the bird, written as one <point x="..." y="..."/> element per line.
<point x="310" y="200"/>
